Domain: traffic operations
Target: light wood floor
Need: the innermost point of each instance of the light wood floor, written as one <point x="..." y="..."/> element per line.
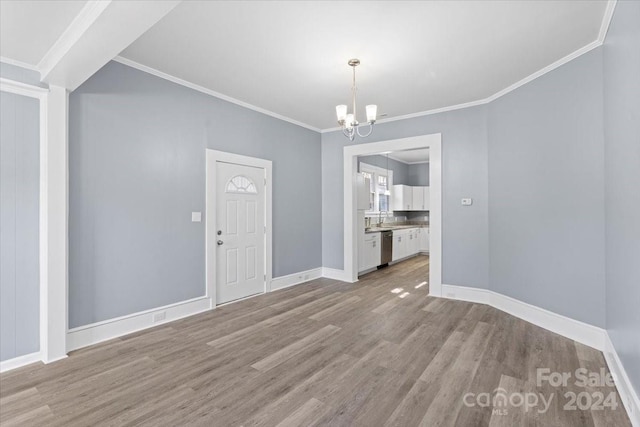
<point x="322" y="353"/>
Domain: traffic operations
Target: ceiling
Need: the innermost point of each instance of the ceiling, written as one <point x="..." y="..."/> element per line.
<point x="28" y="29"/>
<point x="290" y="57"/>
<point x="420" y="155"/>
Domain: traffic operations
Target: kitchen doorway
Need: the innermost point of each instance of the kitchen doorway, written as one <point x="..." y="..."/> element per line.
<point x="351" y="153"/>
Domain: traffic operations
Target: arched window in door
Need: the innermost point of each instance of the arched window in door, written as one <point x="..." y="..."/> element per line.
<point x="240" y="184"/>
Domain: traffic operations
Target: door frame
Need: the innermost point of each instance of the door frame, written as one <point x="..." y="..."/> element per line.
<point x="214" y="156"/>
<point x="53" y="221"/>
<point x="351" y="153"/>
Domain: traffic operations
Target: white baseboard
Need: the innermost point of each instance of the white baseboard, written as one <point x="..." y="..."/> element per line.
<point x="581" y="332"/>
<point x="94" y="333"/>
<point x="332" y="273"/>
<point x="573" y="329"/>
<point x="20" y="361"/>
<point x="295" y="278"/>
<point x="628" y="395"/>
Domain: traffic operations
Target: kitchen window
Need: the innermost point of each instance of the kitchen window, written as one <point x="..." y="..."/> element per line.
<point x="381" y="181"/>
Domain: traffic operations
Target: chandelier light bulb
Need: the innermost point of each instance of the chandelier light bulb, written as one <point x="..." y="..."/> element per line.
<point x="341" y="112"/>
<point x="372" y="111"/>
<point x="349" y="121"/>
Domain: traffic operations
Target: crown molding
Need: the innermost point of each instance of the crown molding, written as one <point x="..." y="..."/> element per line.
<point x="393" y="157"/>
<point x="94" y="8"/>
<point x="80" y="24"/>
<point x="606" y="20"/>
<point x="544" y="71"/>
<point x="604" y="27"/>
<point x="20" y="64"/>
<point x="177" y="80"/>
<point x="19" y="88"/>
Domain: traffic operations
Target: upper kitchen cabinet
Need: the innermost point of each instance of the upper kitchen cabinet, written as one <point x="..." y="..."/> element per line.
<point x="402" y="198"/>
<point x="410" y="198"/>
<point x="418" y="198"/>
<point x="424" y="195"/>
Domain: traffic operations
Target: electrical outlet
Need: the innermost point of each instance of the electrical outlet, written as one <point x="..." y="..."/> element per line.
<point x="160" y="316"/>
<point x="467" y="202"/>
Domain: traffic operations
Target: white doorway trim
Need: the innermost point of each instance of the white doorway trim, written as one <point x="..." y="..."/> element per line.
<point x="213" y="157"/>
<point x="53" y="220"/>
<point x="351" y="153"/>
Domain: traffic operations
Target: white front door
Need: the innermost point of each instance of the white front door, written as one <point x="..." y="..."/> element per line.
<point x="240" y="231"/>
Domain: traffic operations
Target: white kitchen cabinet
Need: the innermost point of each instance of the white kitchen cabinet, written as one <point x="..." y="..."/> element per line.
<point x="401" y="244"/>
<point x="426" y="194"/>
<point x="363" y="186"/>
<point x="369" y="254"/>
<point x="409" y="242"/>
<point x="423" y="241"/>
<point x="412" y="243"/>
<point x="417" y="202"/>
<point x="420" y="198"/>
<point x="408" y="198"/>
<point x="402" y="198"/>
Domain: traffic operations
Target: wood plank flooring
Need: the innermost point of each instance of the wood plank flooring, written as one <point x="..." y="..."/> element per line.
<point x="380" y="352"/>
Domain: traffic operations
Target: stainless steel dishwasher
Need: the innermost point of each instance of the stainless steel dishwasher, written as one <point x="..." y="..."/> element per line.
<point x="387" y="247"/>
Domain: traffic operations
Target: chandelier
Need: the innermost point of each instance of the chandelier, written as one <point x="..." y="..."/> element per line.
<point x="348" y="121"/>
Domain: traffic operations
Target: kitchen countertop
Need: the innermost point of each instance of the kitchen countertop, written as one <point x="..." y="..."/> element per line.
<point x="392" y="227"/>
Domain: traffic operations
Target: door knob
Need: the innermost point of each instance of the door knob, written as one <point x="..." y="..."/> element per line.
<point x="220" y="242"/>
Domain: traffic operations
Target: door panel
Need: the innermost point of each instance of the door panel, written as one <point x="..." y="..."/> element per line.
<point x="240" y="208"/>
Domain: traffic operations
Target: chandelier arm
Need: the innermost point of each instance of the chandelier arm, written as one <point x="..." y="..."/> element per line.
<point x="368" y="133"/>
<point x="348" y="133"/>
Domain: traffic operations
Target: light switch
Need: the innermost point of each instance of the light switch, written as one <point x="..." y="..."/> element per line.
<point x="196" y="216"/>
<point x="467" y="202"/>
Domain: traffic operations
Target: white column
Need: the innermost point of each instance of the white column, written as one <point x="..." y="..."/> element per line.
<point x="54" y="225"/>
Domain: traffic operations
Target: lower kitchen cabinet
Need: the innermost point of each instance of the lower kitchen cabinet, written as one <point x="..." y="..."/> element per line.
<point x="370" y="254"/>
<point x="423" y="239"/>
<point x="399" y="249"/>
<point x="409" y="242"/>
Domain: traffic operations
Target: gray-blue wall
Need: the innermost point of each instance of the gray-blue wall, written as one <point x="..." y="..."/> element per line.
<point x="546" y="191"/>
<point x="419" y="174"/>
<point x="465" y="236"/>
<point x="19" y="210"/>
<point x="533" y="163"/>
<point x="400" y="170"/>
<point x="622" y="184"/>
<point x="137" y="171"/>
<point x="403" y="173"/>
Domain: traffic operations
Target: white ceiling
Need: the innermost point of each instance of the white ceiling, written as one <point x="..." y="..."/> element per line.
<point x="420" y="155"/>
<point x="28" y="29"/>
<point x="290" y="57"/>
